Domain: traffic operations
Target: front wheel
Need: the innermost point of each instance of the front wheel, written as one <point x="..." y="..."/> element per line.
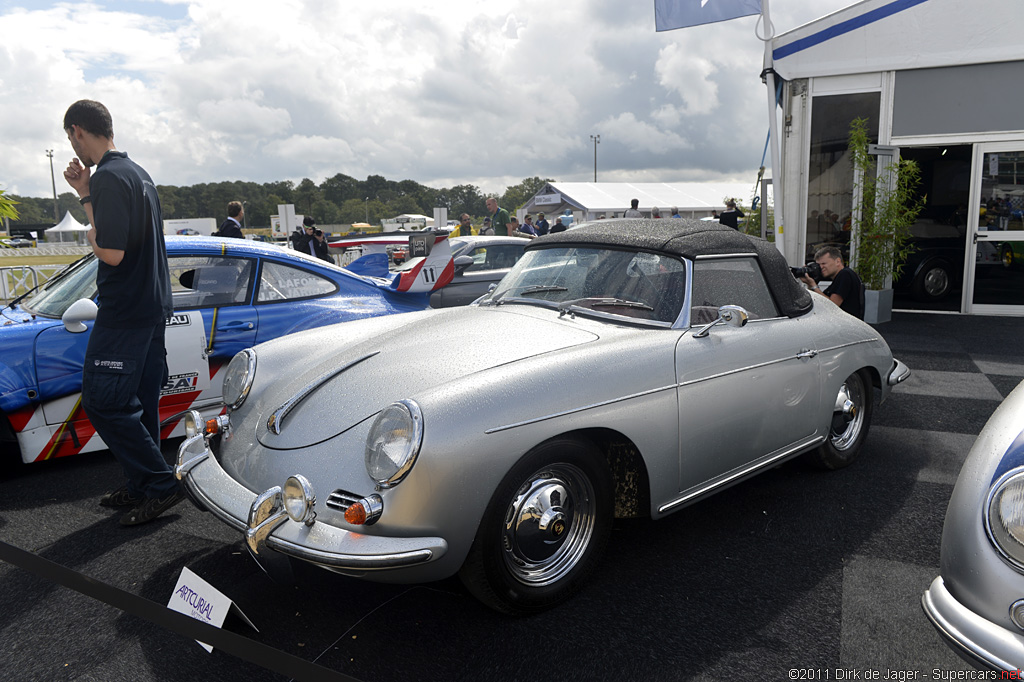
<point x="851" y="418"/>
<point x="544" y="529"/>
<point x="934" y="282"/>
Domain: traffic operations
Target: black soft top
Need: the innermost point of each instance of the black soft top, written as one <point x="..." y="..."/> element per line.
<point x="689" y="238"/>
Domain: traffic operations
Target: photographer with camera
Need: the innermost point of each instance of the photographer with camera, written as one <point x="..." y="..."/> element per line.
<point x="846" y="289"/>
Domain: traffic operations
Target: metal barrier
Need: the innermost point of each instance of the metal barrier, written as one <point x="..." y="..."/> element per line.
<point x="16" y="280"/>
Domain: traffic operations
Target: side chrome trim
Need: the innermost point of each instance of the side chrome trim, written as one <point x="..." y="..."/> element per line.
<point x="732" y="477"/>
<point x="274" y="422"/>
<point x="580" y="409"/>
<point x="759" y="365"/>
<point x="717" y="256"/>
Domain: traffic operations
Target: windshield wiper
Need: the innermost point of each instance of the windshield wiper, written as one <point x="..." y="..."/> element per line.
<point x="533" y="289"/>
<point x="595" y="302"/>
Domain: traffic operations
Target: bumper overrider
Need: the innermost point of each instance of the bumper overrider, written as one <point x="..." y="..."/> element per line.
<point x="287" y="523"/>
<point x="978" y="640"/>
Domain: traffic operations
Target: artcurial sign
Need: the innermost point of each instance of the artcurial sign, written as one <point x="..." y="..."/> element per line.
<point x="547" y="200"/>
<point x="195" y="597"/>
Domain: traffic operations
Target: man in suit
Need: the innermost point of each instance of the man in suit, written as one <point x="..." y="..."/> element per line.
<point x="232" y="227"/>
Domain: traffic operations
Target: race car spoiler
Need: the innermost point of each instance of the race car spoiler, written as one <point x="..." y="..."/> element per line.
<point x="430" y="269"/>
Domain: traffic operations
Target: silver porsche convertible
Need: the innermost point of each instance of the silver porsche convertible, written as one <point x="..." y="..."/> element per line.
<point x="977" y="603"/>
<point x="624" y="368"/>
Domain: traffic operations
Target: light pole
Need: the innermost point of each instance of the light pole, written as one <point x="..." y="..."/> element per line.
<point x="596" y="139"/>
<point x="366" y="204"/>
<point x="245" y="217"/>
<point x="53" y="181"/>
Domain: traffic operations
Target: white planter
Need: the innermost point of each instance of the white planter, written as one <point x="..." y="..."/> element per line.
<point x="877" y="306"/>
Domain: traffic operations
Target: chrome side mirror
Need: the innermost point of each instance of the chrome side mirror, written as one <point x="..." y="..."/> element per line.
<point x="74" y="317"/>
<point x="732" y="315"/>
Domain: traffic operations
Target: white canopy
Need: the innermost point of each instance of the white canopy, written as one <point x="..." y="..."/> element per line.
<point x="693" y="199"/>
<point x="67" y="229"/>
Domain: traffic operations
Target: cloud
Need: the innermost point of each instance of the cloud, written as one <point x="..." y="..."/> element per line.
<point x="444" y="92"/>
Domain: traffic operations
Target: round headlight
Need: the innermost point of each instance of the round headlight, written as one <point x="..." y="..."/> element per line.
<point x="1005" y="518"/>
<point x="393" y="443"/>
<point x="298" y="498"/>
<point x="238" y="378"/>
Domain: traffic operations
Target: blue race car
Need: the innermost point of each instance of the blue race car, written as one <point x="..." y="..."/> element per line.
<point x="229" y="294"/>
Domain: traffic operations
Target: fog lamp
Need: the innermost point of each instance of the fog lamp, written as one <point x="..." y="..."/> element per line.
<point x="366" y="511"/>
<point x="299" y="499"/>
<point x="1017" y="613"/>
<point x="193" y="423"/>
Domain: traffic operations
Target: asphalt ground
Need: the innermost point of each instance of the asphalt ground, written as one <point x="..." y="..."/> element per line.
<point x="796" y="570"/>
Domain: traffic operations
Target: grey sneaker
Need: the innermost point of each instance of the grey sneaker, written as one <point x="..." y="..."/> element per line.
<point x="152" y="507"/>
<point x="120" y="498"/>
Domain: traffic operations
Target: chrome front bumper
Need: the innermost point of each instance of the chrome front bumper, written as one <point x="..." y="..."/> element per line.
<point x="266" y="526"/>
<point x="978" y="640"/>
<point x="898" y="374"/>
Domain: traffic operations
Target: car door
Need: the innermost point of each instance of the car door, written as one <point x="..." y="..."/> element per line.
<point x="289" y="298"/>
<point x="220" y="287"/>
<point x="747" y="395"/>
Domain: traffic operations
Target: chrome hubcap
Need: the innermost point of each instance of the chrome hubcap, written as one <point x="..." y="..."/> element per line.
<point x="847" y="415"/>
<point x="548" y="525"/>
<point x="936" y="281"/>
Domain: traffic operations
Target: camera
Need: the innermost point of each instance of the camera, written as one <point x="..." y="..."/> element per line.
<point x="812" y="269"/>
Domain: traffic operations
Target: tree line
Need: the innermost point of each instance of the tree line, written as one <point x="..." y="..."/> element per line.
<point x="338" y="200"/>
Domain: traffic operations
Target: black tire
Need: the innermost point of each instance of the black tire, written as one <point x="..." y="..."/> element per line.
<point x="934" y="281"/>
<point x="521" y="568"/>
<point x="848" y="429"/>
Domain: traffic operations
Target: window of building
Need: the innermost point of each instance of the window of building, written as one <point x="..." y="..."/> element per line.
<point x="830" y="172"/>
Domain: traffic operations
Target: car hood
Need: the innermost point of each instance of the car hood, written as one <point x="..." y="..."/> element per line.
<point x="333" y="391"/>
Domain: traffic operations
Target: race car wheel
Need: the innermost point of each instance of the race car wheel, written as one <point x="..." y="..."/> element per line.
<point x="851" y="418"/>
<point x="544" y="529"/>
<point x="933" y="282"/>
<point x="1007" y="256"/>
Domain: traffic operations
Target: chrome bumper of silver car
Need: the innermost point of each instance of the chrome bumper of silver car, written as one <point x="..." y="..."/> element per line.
<point x="265" y="527"/>
<point x="978" y="640"/>
<point x="898" y="374"/>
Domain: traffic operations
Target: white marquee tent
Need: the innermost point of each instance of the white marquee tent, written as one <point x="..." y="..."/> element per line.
<point x="67" y="230"/>
<point x="590" y="200"/>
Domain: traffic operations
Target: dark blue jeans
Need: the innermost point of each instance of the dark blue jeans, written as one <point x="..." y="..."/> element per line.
<point x="121" y="380"/>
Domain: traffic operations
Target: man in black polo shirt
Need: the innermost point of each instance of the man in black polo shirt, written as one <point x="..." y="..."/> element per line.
<point x="846" y="289"/>
<point x="125" y="362"/>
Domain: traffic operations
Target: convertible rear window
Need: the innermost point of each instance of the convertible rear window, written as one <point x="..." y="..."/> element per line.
<point x="636" y="284"/>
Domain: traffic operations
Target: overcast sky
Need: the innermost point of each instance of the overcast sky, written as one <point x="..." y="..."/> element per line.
<point x="442" y="92"/>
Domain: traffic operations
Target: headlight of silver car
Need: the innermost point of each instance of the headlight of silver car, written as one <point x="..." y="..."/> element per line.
<point x="1005" y="518"/>
<point x="238" y="378"/>
<point x="394" y="442"/>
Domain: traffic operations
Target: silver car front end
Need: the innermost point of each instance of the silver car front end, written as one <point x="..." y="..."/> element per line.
<point x="268" y="523"/>
<point x="977" y="603"/>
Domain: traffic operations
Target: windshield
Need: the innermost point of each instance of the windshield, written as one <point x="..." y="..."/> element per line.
<point x="77" y="281"/>
<point x="635" y="284"/>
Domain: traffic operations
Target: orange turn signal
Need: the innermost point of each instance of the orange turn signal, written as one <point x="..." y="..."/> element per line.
<point x="212" y="427"/>
<point x="366" y="511"/>
<point x="356" y="514"/>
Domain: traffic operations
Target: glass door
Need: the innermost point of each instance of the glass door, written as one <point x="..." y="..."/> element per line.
<point x="997" y="221"/>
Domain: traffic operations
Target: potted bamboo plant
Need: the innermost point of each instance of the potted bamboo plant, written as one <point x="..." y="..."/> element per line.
<point x="886" y="204"/>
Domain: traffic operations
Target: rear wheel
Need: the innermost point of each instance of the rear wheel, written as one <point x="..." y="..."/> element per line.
<point x="543" y="530"/>
<point x="851" y="419"/>
<point x="1006" y="256"/>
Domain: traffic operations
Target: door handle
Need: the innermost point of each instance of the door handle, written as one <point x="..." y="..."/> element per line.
<point x="237" y="325"/>
<point x="806" y="353"/>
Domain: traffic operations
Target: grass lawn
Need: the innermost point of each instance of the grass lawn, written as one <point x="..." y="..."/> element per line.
<point x="6" y="260"/>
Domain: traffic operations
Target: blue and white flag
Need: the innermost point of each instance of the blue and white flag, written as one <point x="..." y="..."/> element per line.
<point x="671" y="14"/>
